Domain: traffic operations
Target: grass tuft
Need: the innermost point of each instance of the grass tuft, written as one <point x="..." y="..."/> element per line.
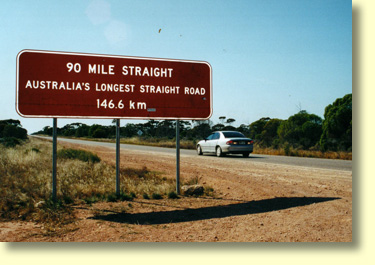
<point x="290" y="151"/>
<point x="172" y="195"/>
<point x="10" y="142"/>
<point x="81" y="155"/>
<point x="156" y="196"/>
<point x="25" y="183"/>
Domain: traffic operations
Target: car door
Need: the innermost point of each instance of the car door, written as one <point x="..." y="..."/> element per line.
<point x="205" y="145"/>
<point x="213" y="142"/>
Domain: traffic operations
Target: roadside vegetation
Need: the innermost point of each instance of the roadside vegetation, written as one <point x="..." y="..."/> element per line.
<point x="26" y="164"/>
<point x="82" y="178"/>
<point x="11" y="133"/>
<point x="302" y="134"/>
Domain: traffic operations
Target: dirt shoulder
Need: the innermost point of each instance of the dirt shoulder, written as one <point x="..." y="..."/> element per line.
<point x="253" y="202"/>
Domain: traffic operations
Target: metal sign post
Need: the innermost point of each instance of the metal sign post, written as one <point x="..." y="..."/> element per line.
<point x="117" y="157"/>
<point x="177" y="157"/>
<point x="54" y="158"/>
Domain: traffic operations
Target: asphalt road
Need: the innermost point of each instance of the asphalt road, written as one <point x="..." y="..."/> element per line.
<point x="333" y="164"/>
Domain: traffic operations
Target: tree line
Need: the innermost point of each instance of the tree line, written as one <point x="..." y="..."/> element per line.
<point x="11" y="132"/>
<point x="309" y="131"/>
<point x="301" y="130"/>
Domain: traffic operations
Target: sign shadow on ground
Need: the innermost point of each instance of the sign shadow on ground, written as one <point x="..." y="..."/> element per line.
<point x="205" y="213"/>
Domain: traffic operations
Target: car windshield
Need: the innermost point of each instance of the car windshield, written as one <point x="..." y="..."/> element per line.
<point x="233" y="135"/>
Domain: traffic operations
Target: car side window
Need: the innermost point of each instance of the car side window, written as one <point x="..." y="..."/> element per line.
<point x="210" y="137"/>
<point x="216" y="136"/>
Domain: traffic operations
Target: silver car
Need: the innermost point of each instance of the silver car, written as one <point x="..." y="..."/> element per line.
<point x="226" y="142"/>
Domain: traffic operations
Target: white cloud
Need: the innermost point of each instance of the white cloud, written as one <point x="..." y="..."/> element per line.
<point x="98" y="12"/>
<point x="117" y="33"/>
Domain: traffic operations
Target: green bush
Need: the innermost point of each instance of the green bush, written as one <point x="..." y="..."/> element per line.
<point x="12" y="129"/>
<point x="82" y="155"/>
<point x="10" y="141"/>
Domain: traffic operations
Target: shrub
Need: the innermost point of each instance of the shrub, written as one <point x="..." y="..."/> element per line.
<point x="209" y="191"/>
<point x="82" y="155"/>
<point x="287" y="149"/>
<point x="172" y="195"/>
<point x="10" y="142"/>
<point x="125" y="197"/>
<point x="12" y="128"/>
<point x="113" y="197"/>
<point x="157" y="196"/>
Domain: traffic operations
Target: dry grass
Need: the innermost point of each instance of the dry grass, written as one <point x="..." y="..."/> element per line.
<point x="190" y="144"/>
<point x="184" y="144"/>
<point x="142" y="181"/>
<point x="304" y="153"/>
<point x="159" y="142"/>
<point x="25" y="183"/>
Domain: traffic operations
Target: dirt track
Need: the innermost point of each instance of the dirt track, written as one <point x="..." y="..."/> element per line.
<point x="254" y="202"/>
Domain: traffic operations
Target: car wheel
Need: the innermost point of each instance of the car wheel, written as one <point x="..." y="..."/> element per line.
<point x="245" y="154"/>
<point x="219" y="152"/>
<point x="199" y="150"/>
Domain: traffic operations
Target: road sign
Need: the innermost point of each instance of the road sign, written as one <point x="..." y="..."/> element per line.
<point x="78" y="85"/>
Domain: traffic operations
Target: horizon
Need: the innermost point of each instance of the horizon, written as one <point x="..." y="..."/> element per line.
<point x="269" y="59"/>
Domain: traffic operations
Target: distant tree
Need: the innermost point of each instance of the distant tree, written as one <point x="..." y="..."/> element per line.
<point x="268" y="136"/>
<point x="47" y="130"/>
<point x="185" y="127"/>
<point x="229" y="128"/>
<point x="337" y="125"/>
<point x="222" y="119"/>
<point x="129" y="130"/>
<point x="245" y="129"/>
<point x="201" y="129"/>
<point x="13" y="131"/>
<point x="166" y="128"/>
<point x="264" y="131"/>
<point x="15" y="123"/>
<point x="301" y="130"/>
<point x="218" y="127"/>
<point x="12" y="128"/>
<point x="256" y="127"/>
<point x="199" y="122"/>
<point x="110" y="131"/>
<point x="68" y="130"/>
<point x="97" y="131"/>
<point x="82" y="130"/>
<point x="149" y="128"/>
<point x="230" y="121"/>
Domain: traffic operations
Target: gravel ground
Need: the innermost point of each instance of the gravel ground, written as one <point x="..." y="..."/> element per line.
<point x="252" y="202"/>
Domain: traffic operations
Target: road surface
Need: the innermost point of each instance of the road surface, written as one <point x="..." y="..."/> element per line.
<point x="334" y="164"/>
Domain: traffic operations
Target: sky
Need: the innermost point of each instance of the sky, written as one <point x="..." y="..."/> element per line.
<point x="269" y="58"/>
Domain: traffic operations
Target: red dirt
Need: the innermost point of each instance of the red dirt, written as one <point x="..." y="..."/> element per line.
<point x="253" y="202"/>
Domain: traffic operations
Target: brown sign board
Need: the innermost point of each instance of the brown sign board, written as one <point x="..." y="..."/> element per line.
<point x="79" y="85"/>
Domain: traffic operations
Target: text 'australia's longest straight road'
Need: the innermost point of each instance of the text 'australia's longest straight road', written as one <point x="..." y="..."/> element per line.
<point x="76" y="85"/>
